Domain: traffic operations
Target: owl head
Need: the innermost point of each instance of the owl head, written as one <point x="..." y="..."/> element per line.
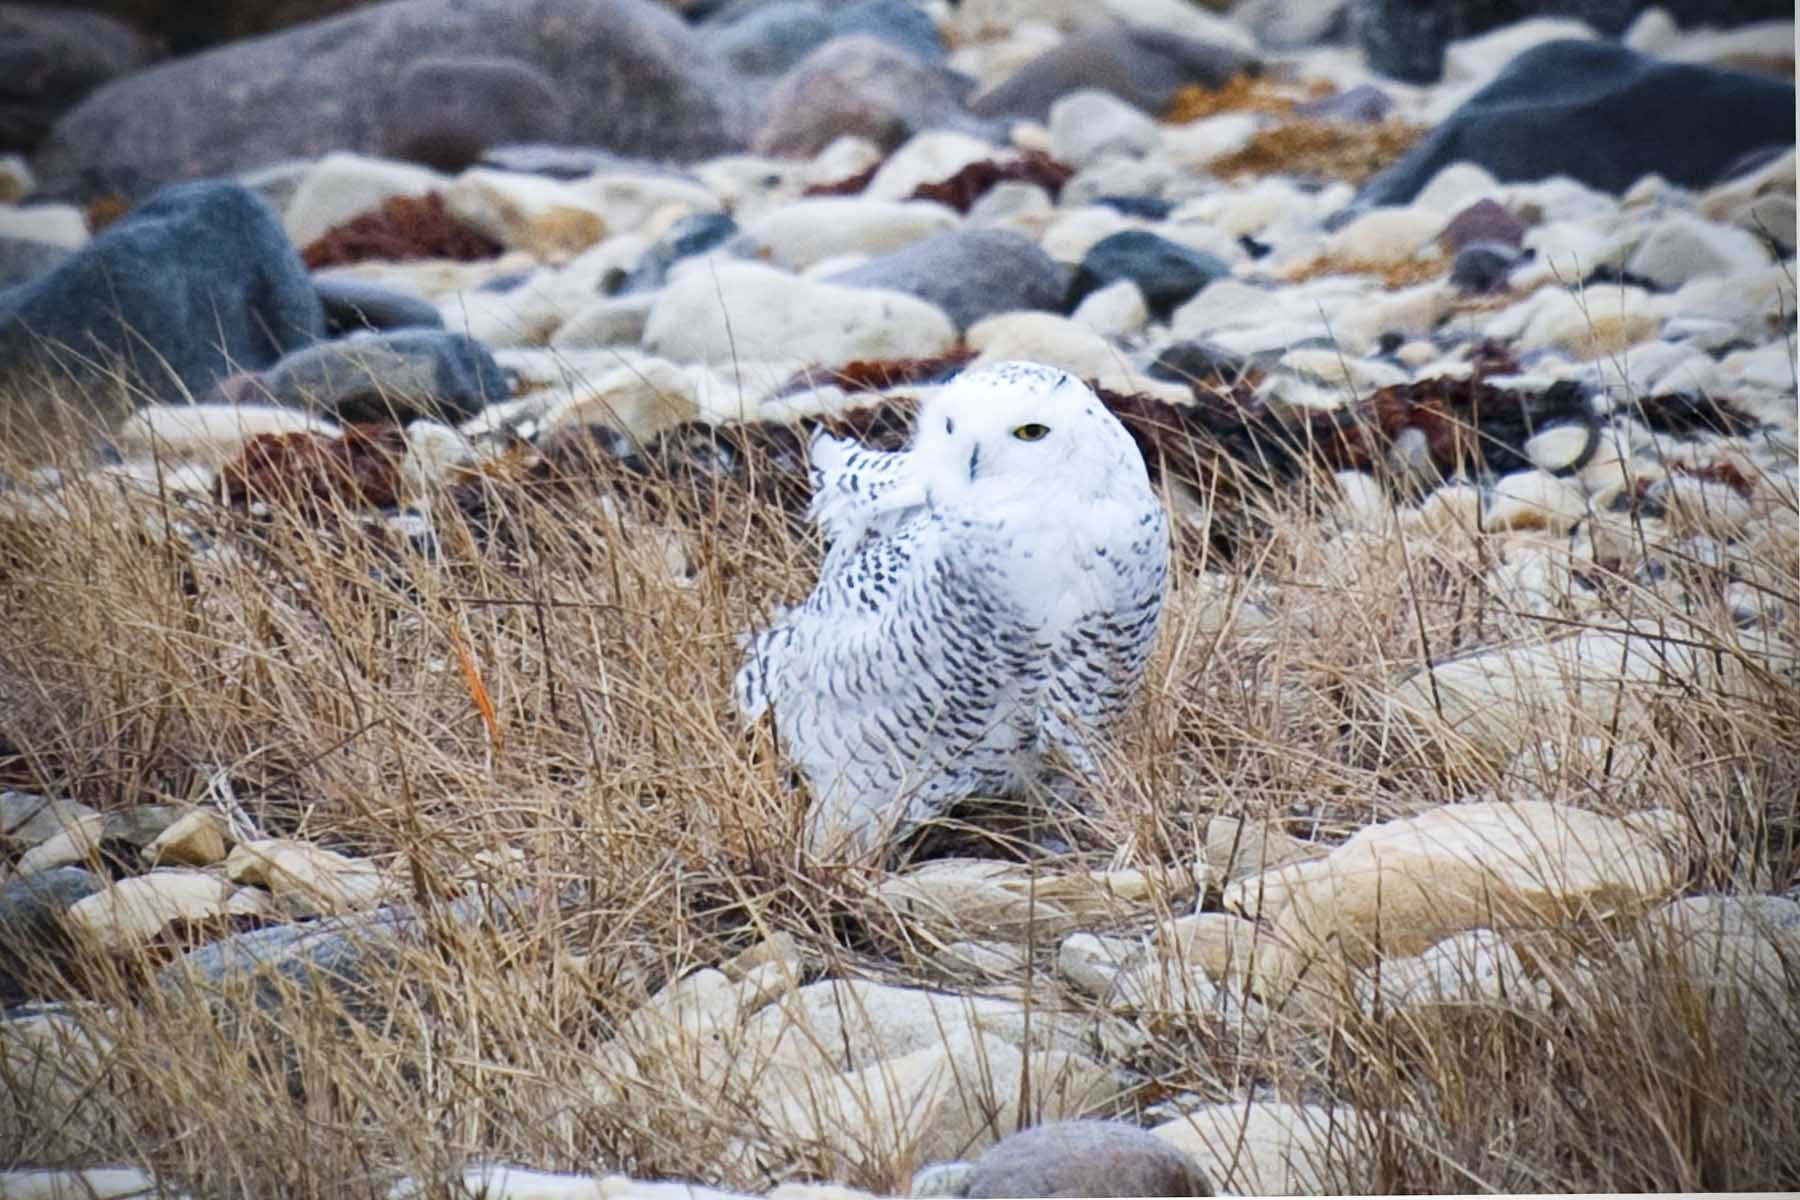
<point x="1020" y="427"/>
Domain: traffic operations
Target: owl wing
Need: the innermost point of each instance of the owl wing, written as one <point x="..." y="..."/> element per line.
<point x="858" y="491"/>
<point x="895" y="683"/>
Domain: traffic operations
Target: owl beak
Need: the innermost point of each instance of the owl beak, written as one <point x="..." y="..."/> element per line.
<point x="974" y="462"/>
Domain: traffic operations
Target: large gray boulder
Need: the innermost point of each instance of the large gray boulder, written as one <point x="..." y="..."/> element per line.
<point x="634" y="77"/>
<point x="50" y="58"/>
<point x="195" y="283"/>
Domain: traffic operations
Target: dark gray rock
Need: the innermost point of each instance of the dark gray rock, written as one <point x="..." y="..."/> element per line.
<point x="50" y="58"/>
<point x="189" y="25"/>
<point x="896" y="22"/>
<point x="1483" y="266"/>
<point x="448" y="111"/>
<point x="391" y="376"/>
<point x="1084" y="1158"/>
<point x="352" y="305"/>
<point x="32" y="940"/>
<point x="1143" y="67"/>
<point x="862" y="86"/>
<point x="193" y="284"/>
<point x="969" y="274"/>
<point x="694" y="234"/>
<point x="1601" y="114"/>
<point x="1166" y="272"/>
<point x="769" y="39"/>
<point x="635" y="78"/>
<point x="1190" y="361"/>
<point x="22" y="259"/>
<point x="1405" y="39"/>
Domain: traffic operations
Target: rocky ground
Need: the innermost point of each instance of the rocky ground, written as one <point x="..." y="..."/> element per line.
<point x="396" y="453"/>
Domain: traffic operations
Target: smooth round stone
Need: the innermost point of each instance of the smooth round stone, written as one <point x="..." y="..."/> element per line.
<point x="769" y="39"/>
<point x="694" y="234"/>
<point x="1091" y="125"/>
<point x="351" y="305"/>
<point x="899" y="23"/>
<point x="1483" y="266"/>
<point x="391" y="376"/>
<point x="448" y="110"/>
<point x="969" y="274"/>
<point x="1143" y="67"/>
<point x="1084" y="1158"/>
<point x="1167" y="272"/>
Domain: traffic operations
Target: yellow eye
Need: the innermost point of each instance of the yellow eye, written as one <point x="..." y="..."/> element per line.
<point x="1031" y="433"/>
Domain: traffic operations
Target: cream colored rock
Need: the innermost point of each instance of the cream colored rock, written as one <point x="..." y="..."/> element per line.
<point x="629" y="201"/>
<point x="1089" y="125"/>
<point x="929" y="157"/>
<point x="56" y="1066"/>
<point x="210" y="434"/>
<point x="1335" y="369"/>
<point x="547" y="219"/>
<point x="1046" y="338"/>
<point x="806" y="232"/>
<point x="1455" y="187"/>
<point x="445" y="282"/>
<point x="983" y="898"/>
<point x="1591" y="323"/>
<point x="1395" y="888"/>
<point x="308" y="880"/>
<point x="1475" y="968"/>
<point x="1074" y="232"/>
<point x="1703" y="507"/>
<point x="1114" y="311"/>
<point x="52" y="224"/>
<point x="1091" y="962"/>
<point x="1685" y="247"/>
<point x="196" y="839"/>
<point x="1194" y="146"/>
<point x="1534" y="500"/>
<point x="1757" y="304"/>
<point x="1385" y="237"/>
<point x="1021" y="207"/>
<point x="641" y="399"/>
<point x="1560" y="447"/>
<point x="1266" y="1148"/>
<point x="75" y="842"/>
<point x="1221" y="944"/>
<point x="723" y="312"/>
<point x="134" y="911"/>
<point x="27" y="819"/>
<point x="343" y="185"/>
<point x="1236" y="849"/>
<point x="605" y="321"/>
<point x="952" y="1097"/>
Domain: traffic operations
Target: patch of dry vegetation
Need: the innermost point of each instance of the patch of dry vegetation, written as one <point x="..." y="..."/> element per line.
<point x="529" y="716"/>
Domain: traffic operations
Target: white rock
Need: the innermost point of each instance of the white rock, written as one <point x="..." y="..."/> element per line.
<point x="1704" y="507"/>
<point x="930" y="157"/>
<point x="77" y="840"/>
<point x="724" y="311"/>
<point x="496" y="1181"/>
<point x="1763" y="46"/>
<point x="210" y="434"/>
<point x="1597" y="321"/>
<point x="309" y="880"/>
<point x="1180" y="17"/>
<point x="1011" y="204"/>
<point x="526" y="314"/>
<point x="548" y="219"/>
<point x="805" y="232"/>
<point x="445" y="282"/>
<point x="1335" y="369"/>
<point x="1266" y="1148"/>
<point x="94" y="1183"/>
<point x="1252" y="208"/>
<point x="1455" y="188"/>
<point x="1195" y="145"/>
<point x="1477" y="967"/>
<point x="1774" y="178"/>
<point x="1364" y="503"/>
<point x="1598" y="683"/>
<point x="16" y="179"/>
<point x="1683" y="248"/>
<point x="1223" y="304"/>
<point x="1534" y="500"/>
<point x="636" y="202"/>
<point x="1113" y="311"/>
<point x="52" y="224"/>
<point x="1385" y="237"/>
<point x="1478" y="59"/>
<point x="641" y="399"/>
<point x="1068" y="238"/>
<point x="605" y="321"/>
<point x="1089" y="125"/>
<point x="1558" y="447"/>
<point x="963" y="898"/>
<point x="343" y="185"/>
<point x="1221" y="944"/>
<point x="134" y="911"/>
<point x="1236" y="848"/>
<point x="1091" y="962"/>
<point x="847" y="156"/>
<point x="1046" y="338"/>
<point x="1758" y="304"/>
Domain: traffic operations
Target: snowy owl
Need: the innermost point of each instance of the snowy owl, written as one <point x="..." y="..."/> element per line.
<point x="988" y="595"/>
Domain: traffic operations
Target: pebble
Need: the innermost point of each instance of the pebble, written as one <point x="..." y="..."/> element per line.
<point x="807" y="232"/>
<point x="1090" y="125"/>
<point x="398" y="375"/>
<point x="1084" y="1158"/>
<point x="133" y="912"/>
<point x="856" y="85"/>
<point x="352" y="305"/>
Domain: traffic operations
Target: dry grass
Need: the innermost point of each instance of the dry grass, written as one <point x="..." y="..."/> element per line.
<point x="537" y="714"/>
